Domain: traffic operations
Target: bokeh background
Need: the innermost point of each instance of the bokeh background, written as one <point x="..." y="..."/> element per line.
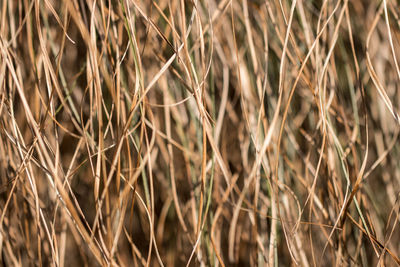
<point x="199" y="133"/>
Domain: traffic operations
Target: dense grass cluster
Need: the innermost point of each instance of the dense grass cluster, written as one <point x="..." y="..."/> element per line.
<point x="199" y="133"/>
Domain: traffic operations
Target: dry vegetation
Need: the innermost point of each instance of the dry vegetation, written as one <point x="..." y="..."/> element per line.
<point x="200" y="133"/>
